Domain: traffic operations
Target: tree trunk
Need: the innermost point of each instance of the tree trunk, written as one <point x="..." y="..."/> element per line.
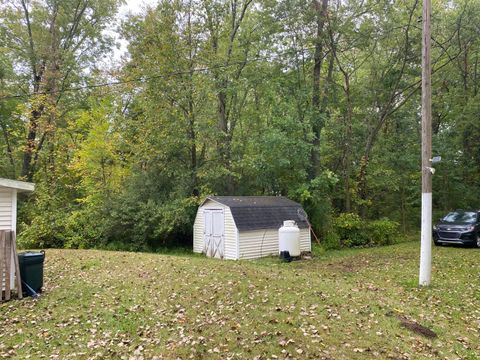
<point x="46" y="76"/>
<point x="193" y="151"/>
<point x="387" y="109"/>
<point x="30" y="148"/>
<point x="226" y="113"/>
<point x="9" y="148"/>
<point x="317" y="121"/>
<point x="191" y="113"/>
<point x="347" y="139"/>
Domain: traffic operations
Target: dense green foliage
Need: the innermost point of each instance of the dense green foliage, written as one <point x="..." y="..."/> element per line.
<point x="349" y="230"/>
<point x="315" y="100"/>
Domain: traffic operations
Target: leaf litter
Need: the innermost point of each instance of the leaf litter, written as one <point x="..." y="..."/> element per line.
<point x="100" y="304"/>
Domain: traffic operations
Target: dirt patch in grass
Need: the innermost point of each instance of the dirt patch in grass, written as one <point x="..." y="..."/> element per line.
<point x="353" y="264"/>
<point x="416" y="327"/>
<point x="413" y="325"/>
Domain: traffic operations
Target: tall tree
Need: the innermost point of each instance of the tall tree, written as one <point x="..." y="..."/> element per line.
<point x="54" y="44"/>
<point x="229" y="47"/>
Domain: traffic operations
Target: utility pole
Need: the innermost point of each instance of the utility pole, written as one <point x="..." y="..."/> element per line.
<point x="427" y="171"/>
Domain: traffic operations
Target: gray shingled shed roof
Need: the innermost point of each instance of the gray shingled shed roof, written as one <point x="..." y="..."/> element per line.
<point x="262" y="212"/>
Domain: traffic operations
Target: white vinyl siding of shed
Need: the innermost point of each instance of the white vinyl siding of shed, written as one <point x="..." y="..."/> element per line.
<point x="259" y="243"/>
<point x="305" y="240"/>
<point x="230" y="230"/>
<point x="8" y="209"/>
<point x="198" y="231"/>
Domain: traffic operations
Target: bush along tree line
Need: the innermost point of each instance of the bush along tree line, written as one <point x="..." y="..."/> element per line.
<point x="317" y="100"/>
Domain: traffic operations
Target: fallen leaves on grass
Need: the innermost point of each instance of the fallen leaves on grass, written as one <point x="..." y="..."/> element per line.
<point x="146" y="306"/>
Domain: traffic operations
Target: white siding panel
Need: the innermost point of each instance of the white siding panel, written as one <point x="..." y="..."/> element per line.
<point x="230" y="236"/>
<point x="5" y="209"/>
<point x="305" y="240"/>
<point x="8" y="213"/>
<point x="258" y="243"/>
<point x="198" y="232"/>
<point x="230" y="230"/>
<point x="14" y="210"/>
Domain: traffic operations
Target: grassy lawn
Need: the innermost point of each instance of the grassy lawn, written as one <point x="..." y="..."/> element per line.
<point x="343" y="304"/>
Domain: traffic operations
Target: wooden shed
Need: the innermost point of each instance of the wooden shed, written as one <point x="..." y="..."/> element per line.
<point x="8" y="208"/>
<point x="245" y="227"/>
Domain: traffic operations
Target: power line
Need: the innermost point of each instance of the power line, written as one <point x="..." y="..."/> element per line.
<point x="143" y="79"/>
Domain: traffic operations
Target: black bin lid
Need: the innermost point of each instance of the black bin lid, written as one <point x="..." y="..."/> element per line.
<point x="29" y="254"/>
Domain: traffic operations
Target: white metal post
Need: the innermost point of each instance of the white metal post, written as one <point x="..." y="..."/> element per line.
<point x="426" y="236"/>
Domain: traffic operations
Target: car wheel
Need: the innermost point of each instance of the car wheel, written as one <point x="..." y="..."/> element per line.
<point x="436" y="243"/>
<point x="478" y="241"/>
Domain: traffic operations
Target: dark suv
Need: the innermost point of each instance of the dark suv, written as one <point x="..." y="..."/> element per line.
<point x="458" y="227"/>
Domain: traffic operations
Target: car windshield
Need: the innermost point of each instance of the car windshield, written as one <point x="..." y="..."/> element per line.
<point x="461" y="217"/>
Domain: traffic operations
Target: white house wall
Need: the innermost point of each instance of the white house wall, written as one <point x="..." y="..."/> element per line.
<point x="7" y="209"/>
<point x="259" y="243"/>
<point x="230" y="230"/>
<point x="8" y="221"/>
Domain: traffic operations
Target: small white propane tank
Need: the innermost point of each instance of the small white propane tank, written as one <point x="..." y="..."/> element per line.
<point x="289" y="238"/>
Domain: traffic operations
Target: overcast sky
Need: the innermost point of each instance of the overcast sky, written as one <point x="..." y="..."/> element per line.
<point x="135" y="6"/>
<point x="131" y="7"/>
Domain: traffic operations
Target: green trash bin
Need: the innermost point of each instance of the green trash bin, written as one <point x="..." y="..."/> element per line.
<point x="31" y="271"/>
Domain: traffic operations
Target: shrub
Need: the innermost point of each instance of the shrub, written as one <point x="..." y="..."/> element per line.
<point x="349" y="230"/>
<point x="43" y="215"/>
<point x="331" y="241"/>
<point x="383" y="231"/>
<point x="85" y="228"/>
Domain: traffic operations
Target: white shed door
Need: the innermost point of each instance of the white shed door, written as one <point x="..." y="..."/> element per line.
<point x="214" y="233"/>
